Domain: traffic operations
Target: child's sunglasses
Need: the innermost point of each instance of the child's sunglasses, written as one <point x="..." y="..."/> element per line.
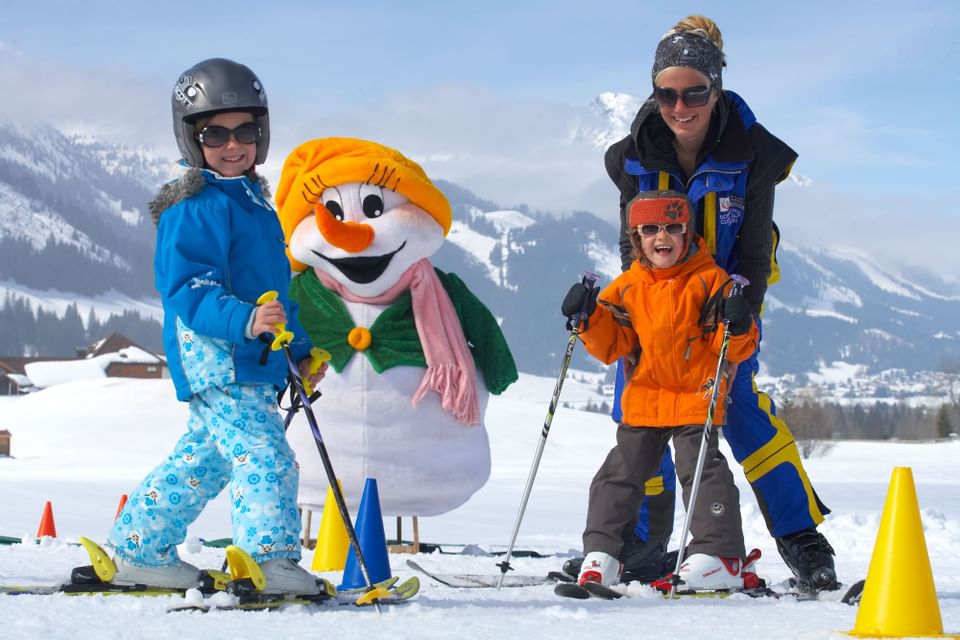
<point x="692" y="96"/>
<point x="673" y="228"/>
<point x="216" y="136"/>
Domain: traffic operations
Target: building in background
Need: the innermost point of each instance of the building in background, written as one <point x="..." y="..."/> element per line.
<point x="115" y="356"/>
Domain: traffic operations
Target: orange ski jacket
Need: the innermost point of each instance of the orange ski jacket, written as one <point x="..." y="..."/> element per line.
<point x="655" y="312"/>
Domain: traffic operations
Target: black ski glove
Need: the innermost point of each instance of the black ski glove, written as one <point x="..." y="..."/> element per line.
<point x="578" y="299"/>
<point x="736" y="313"/>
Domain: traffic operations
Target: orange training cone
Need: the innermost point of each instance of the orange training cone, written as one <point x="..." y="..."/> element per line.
<point x="373" y="542"/>
<point x="333" y="543"/>
<point x="123" y="501"/>
<point x="899" y="598"/>
<point x="47" y="528"/>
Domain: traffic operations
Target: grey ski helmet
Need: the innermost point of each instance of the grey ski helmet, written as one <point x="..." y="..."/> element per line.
<point x="214" y="86"/>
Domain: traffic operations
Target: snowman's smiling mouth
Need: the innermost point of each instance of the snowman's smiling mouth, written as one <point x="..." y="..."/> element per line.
<point x="363" y="269"/>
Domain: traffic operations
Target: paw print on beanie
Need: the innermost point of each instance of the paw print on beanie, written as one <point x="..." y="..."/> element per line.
<point x="674" y="209"/>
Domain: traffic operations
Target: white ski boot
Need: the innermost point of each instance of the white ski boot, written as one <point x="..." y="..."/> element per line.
<point x="701" y="572"/>
<point x="285" y="576"/>
<point x="181" y="575"/>
<point x="599" y="567"/>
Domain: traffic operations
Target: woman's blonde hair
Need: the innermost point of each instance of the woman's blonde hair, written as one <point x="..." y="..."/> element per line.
<point x="701" y="25"/>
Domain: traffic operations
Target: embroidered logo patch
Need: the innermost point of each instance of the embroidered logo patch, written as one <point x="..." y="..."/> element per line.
<point x="731" y="210"/>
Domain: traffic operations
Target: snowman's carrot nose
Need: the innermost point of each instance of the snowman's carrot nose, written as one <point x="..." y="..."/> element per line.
<point x="349" y="236"/>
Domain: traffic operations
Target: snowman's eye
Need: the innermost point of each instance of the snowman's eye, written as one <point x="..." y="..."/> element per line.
<point x="373" y="206"/>
<point x="334" y="208"/>
<point x="371" y="199"/>
<point x="334" y="203"/>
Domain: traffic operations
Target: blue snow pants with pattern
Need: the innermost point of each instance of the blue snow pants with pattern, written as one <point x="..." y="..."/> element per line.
<point x="235" y="435"/>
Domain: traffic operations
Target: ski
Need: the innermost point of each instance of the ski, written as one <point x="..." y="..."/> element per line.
<point x="245" y="590"/>
<point x="396" y="594"/>
<point x="571" y="590"/>
<point x="141" y="590"/>
<point x="599" y="591"/>
<point x="94" y="579"/>
<point x="486" y="581"/>
<point x="851" y="595"/>
<point x="594" y="590"/>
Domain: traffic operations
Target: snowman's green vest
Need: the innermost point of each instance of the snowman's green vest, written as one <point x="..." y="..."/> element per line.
<point x="395" y="341"/>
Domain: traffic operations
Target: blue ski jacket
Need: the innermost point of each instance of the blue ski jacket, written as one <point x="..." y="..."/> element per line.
<point x="219" y="247"/>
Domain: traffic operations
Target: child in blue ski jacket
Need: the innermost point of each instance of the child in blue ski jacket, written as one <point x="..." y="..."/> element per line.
<point x="219" y="247"/>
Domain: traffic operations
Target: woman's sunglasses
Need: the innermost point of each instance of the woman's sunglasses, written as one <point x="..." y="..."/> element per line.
<point x="673" y="228"/>
<point x="216" y="136"/>
<point x="692" y="96"/>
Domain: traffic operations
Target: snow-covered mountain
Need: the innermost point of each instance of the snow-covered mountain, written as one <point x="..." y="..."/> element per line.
<point x="839" y="305"/>
<point x="73" y="227"/>
<point x="73" y="213"/>
<point x="614" y="113"/>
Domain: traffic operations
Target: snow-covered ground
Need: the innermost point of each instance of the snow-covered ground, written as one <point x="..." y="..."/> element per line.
<point x="82" y="445"/>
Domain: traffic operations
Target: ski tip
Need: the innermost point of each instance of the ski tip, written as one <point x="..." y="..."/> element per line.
<point x="377" y="593"/>
<point x="602" y="591"/>
<point x="852" y="595"/>
<point x="560" y="576"/>
<point x="571" y="590"/>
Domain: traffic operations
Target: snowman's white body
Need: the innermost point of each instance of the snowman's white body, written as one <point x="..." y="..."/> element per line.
<point x="425" y="462"/>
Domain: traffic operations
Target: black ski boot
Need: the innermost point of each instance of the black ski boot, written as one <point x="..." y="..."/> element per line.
<point x="571" y="567"/>
<point x="810" y="557"/>
<point x="642" y="562"/>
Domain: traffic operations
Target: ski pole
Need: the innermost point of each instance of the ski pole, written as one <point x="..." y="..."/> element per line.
<point x="282" y="341"/>
<point x="589" y="280"/>
<point x="738" y="283"/>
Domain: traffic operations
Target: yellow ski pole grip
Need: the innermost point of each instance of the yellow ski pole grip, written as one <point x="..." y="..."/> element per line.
<point x="282" y="336"/>
<point x="317" y="357"/>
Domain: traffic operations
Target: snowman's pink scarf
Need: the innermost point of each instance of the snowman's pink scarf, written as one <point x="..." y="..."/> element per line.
<point x="450" y="368"/>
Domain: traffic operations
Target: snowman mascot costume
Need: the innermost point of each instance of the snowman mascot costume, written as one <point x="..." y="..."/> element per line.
<point x="415" y="354"/>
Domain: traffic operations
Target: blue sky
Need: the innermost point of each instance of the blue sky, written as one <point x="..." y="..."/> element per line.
<point x="492" y="94"/>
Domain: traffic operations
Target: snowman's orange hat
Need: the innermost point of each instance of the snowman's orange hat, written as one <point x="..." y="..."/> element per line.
<point x="327" y="162"/>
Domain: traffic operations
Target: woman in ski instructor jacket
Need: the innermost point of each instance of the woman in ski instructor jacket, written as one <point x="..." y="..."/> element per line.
<point x="695" y="137"/>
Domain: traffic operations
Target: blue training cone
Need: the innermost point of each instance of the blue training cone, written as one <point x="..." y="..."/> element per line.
<point x="373" y="542"/>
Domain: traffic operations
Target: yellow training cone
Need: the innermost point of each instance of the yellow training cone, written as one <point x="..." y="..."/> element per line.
<point x="333" y="543"/>
<point x="899" y="598"/>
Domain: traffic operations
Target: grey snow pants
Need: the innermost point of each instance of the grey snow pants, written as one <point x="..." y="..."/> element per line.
<point x="617" y="490"/>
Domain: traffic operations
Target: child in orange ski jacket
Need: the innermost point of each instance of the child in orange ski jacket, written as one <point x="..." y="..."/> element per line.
<point x="666" y="314"/>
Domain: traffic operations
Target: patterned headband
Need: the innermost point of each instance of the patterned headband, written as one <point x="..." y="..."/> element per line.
<point x="689" y="49"/>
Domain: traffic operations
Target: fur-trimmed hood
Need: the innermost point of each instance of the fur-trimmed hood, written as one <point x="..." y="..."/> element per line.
<point x="190" y="184"/>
